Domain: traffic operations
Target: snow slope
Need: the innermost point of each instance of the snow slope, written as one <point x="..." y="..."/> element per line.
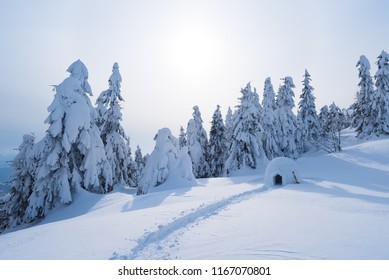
<point x="339" y="211"/>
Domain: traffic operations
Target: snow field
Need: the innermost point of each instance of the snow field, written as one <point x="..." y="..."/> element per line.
<point x="339" y="211"/>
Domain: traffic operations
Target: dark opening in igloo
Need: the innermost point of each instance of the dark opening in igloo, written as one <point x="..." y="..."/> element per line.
<point x="278" y="180"/>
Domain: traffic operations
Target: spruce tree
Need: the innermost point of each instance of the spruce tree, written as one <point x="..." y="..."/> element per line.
<point x="116" y="142"/>
<point x="71" y="155"/>
<point x="362" y="106"/>
<point x="182" y="138"/>
<point x="322" y="119"/>
<point x="269" y="122"/>
<point x="140" y="164"/>
<point x="246" y="150"/>
<point x="378" y="121"/>
<point x="197" y="142"/>
<point x="334" y="125"/>
<point x="307" y="117"/>
<point x="166" y="161"/>
<point x="4" y="216"/>
<point x="217" y="144"/>
<point x="229" y="124"/>
<point x="286" y="119"/>
<point x="22" y="182"/>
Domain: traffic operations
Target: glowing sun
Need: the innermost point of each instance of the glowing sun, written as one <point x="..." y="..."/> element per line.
<point x="193" y="51"/>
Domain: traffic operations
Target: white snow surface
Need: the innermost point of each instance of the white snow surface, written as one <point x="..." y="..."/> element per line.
<point x="339" y="211"/>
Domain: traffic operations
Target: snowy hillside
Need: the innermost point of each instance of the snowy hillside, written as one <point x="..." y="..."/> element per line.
<point x="339" y="211"/>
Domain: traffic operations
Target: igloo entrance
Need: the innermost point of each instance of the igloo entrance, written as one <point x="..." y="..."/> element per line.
<point x="278" y="180"/>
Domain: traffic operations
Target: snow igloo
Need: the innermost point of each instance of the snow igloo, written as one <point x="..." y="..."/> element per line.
<point x="281" y="171"/>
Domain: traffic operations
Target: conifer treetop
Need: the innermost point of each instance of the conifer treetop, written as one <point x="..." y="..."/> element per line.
<point x="363" y="63"/>
<point x="79" y="71"/>
<point x="115" y="81"/>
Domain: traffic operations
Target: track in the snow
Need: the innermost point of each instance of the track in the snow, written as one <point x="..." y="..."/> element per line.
<point x="154" y="238"/>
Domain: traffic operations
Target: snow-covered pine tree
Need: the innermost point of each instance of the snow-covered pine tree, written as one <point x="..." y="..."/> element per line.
<point x="299" y="134"/>
<point x="256" y="102"/>
<point x="322" y="119"/>
<point x="197" y="142"/>
<point x="334" y="124"/>
<point x="101" y="109"/>
<point x="286" y="119"/>
<point x="268" y="100"/>
<point x="217" y="144"/>
<point x="116" y="142"/>
<point x="307" y="117"/>
<point x="229" y="124"/>
<point x="378" y="121"/>
<point x="269" y="122"/>
<point x="182" y="138"/>
<point x="166" y="160"/>
<point x="363" y="103"/>
<point x="246" y="150"/>
<point x="4" y="211"/>
<point x="140" y="164"/>
<point x="71" y="155"/>
<point x="22" y="183"/>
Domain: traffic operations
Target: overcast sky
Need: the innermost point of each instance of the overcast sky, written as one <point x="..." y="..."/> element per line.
<point x="177" y="54"/>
